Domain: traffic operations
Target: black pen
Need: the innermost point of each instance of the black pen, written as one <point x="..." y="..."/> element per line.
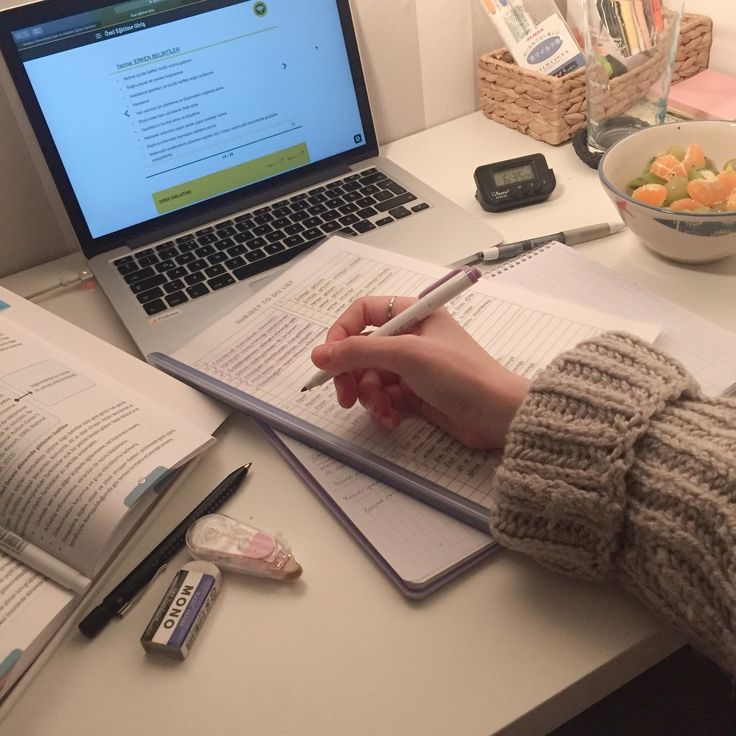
<point x="118" y="600"/>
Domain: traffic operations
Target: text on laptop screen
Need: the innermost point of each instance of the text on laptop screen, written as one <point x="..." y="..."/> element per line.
<point x="156" y="105"/>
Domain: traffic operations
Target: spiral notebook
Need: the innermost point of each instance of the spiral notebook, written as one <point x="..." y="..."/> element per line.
<point x="421" y="549"/>
<point x="238" y="361"/>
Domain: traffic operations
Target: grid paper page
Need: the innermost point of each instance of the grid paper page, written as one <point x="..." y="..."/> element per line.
<point x="263" y="348"/>
<point x="417" y="541"/>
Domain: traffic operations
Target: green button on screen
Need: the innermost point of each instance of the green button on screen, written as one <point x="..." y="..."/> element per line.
<point x="205" y="187"/>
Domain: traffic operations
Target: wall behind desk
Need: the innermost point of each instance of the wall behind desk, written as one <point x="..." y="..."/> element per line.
<point x="29" y="232"/>
<point x="420" y="58"/>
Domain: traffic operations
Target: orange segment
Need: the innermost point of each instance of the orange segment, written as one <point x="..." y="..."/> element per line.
<point x="686" y="204"/>
<point x="654" y="194"/>
<point x="731" y="201"/>
<point x="712" y="191"/>
<point x="694" y="157"/>
<point x="667" y="167"/>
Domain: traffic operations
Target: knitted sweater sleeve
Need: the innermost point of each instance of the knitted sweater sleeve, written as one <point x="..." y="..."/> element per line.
<point x="616" y="465"/>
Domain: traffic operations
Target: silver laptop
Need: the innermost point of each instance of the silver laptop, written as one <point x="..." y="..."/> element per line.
<point x="199" y="145"/>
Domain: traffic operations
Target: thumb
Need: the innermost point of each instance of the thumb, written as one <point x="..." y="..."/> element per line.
<point x="358" y="352"/>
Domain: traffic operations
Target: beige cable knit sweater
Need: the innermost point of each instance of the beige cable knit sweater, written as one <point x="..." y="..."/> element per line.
<point x="617" y="465"/>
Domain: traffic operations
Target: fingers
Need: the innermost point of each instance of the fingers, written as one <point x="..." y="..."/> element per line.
<point x="346" y="388"/>
<point x="363" y="386"/>
<point x="369" y="387"/>
<point x="366" y="312"/>
<point x="375" y="395"/>
<point x="377" y="392"/>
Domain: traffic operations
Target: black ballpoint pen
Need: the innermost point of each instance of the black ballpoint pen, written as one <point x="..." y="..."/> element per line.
<point x="126" y="591"/>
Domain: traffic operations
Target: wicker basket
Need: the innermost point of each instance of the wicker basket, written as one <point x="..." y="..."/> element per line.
<point x="693" y="50"/>
<point x="553" y="109"/>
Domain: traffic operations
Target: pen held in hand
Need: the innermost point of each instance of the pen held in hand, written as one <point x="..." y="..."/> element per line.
<point x="429" y="301"/>
<point x="119" y="600"/>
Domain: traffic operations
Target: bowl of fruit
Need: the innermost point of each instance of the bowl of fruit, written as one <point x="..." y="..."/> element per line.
<point x="675" y="188"/>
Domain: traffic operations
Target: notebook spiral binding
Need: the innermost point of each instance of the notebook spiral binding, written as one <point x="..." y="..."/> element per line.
<point x="516" y="260"/>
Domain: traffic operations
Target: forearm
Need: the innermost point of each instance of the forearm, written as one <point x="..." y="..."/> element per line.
<point x="615" y="464"/>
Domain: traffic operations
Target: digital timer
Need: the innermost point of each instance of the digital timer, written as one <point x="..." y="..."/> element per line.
<point x="514" y="183"/>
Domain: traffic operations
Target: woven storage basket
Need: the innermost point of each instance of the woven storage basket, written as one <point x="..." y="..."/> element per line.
<point x="553" y="109"/>
<point x="693" y="50"/>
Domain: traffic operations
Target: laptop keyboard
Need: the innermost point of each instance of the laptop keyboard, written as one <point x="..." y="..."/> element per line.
<point x="196" y="264"/>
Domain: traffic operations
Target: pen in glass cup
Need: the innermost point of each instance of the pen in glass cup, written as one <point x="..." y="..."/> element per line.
<point x="430" y="300"/>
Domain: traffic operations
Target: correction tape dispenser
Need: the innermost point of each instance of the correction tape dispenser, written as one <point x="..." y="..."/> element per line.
<point x="235" y="546"/>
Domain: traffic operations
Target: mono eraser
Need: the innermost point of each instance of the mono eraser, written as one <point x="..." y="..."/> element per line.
<point x="182" y="611"/>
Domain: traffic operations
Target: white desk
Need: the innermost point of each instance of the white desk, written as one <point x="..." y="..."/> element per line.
<point x="508" y="649"/>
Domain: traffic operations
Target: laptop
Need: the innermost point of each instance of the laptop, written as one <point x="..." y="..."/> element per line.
<point x="197" y="146"/>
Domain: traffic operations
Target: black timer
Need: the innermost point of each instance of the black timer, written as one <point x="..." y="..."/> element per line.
<point x="514" y="183"/>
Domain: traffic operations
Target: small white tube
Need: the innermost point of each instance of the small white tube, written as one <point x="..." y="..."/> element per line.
<point x="43" y="562"/>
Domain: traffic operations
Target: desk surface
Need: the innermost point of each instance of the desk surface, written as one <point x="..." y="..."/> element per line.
<point x="507" y="649"/>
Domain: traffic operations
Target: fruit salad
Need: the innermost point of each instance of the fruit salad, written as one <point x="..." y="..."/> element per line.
<point x="686" y="179"/>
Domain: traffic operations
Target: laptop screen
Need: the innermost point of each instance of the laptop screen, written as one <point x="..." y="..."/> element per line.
<point x="149" y="109"/>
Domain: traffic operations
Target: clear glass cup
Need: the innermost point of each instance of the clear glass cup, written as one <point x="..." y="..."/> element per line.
<point x="630" y="48"/>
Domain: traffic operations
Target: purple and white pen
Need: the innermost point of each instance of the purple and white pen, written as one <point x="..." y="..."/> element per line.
<point x="430" y="300"/>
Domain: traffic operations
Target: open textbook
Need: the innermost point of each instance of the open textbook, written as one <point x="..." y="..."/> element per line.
<point x="82" y="458"/>
<point x="256" y="358"/>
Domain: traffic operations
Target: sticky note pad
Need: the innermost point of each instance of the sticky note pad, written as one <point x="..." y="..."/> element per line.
<point x="708" y="95"/>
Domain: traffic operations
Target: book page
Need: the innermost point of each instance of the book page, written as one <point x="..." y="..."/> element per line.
<point x="31" y="608"/>
<point x="78" y="453"/>
<point x="263" y="347"/>
<point x="118" y="365"/>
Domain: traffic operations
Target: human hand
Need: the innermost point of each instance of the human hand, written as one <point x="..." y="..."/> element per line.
<point x="437" y="370"/>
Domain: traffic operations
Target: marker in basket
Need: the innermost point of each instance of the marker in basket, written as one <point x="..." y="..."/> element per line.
<point x="430" y="300"/>
<point x="531" y="30"/>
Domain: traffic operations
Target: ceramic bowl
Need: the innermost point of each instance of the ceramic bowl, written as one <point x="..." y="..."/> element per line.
<point x="688" y="237"/>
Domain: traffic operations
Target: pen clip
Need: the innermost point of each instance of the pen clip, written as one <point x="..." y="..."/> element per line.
<point x="125" y="608"/>
<point x="472" y="273"/>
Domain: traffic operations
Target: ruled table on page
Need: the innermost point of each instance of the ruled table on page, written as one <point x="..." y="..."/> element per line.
<point x="263" y="348"/>
<point x="707" y="350"/>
